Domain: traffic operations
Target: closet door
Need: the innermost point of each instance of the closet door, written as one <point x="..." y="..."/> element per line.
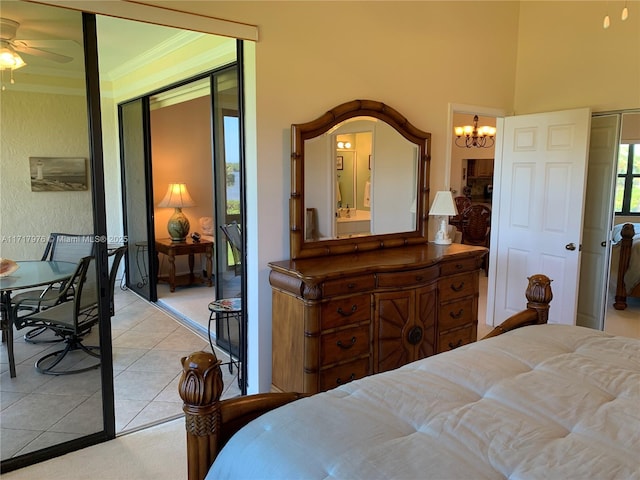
<point x="137" y="197"/>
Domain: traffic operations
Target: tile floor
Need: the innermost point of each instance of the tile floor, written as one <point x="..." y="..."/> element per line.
<point x="39" y="410"/>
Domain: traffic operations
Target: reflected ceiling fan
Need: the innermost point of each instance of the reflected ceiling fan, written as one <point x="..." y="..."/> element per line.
<point x="10" y="48"/>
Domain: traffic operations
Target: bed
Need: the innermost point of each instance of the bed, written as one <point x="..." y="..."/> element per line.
<point x="626" y="253"/>
<point x="529" y="401"/>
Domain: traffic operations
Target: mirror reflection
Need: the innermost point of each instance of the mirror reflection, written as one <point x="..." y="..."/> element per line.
<point x="360" y="179"/>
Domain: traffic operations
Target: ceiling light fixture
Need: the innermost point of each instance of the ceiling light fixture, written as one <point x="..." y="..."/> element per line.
<point x="471" y="136"/>
<point x="9" y="58"/>
<point x="342" y="144"/>
<point x="606" y="23"/>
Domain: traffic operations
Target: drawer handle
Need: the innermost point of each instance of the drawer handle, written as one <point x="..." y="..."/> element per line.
<point x="458" y="288"/>
<point x="456" y="315"/>
<point x="351" y="285"/>
<point x="418" y="278"/>
<point x="339" y="381"/>
<point x="348" y="346"/>
<point x="354" y="307"/>
<point x="452" y="346"/>
<point x="414" y="336"/>
<point x="459" y="266"/>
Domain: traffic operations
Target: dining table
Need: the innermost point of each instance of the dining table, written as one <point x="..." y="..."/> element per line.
<point x="29" y="274"/>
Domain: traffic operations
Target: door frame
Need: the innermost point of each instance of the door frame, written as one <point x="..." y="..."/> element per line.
<point x="499" y="114"/>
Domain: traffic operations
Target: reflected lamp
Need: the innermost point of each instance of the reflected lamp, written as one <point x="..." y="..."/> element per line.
<point x="178" y="197"/>
<point x="444" y="207"/>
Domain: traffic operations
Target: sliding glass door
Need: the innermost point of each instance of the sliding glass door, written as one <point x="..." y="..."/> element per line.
<point x="51" y="131"/>
<point x="138" y="197"/>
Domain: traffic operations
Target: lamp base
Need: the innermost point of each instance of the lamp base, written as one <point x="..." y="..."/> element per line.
<point x="178" y="226"/>
<point x="442" y="235"/>
<point x="443" y="241"/>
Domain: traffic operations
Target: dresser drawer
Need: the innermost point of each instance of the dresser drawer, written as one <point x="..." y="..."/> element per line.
<point x="345" y="286"/>
<point x="412" y="277"/>
<point x="456" y="286"/>
<point x="338" y="313"/>
<point x="345" y="344"/>
<point x="451" y="268"/>
<point x="456" y="338"/>
<point x="456" y="314"/>
<point x="341" y="374"/>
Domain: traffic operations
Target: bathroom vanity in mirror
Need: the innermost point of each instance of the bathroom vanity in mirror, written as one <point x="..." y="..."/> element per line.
<point x="364" y="291"/>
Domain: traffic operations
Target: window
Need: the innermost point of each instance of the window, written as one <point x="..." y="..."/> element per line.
<point x="628" y="180"/>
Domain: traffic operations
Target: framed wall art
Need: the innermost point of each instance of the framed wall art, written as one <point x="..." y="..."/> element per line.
<point x="58" y="174"/>
<point x="340" y="162"/>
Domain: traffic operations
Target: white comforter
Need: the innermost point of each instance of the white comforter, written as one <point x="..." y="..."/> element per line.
<point x="541" y="402"/>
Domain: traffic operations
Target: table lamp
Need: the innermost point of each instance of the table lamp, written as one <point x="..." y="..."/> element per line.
<point x="177" y="197"/>
<point x="443" y="206"/>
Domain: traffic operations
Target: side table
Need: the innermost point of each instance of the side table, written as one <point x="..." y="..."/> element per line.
<point x="226" y="309"/>
<point x="189" y="247"/>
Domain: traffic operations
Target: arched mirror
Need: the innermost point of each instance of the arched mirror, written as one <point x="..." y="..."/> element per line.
<point x="359" y="181"/>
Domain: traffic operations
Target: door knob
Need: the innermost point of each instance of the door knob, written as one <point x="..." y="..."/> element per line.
<point x="570" y="246"/>
<point x="603" y="244"/>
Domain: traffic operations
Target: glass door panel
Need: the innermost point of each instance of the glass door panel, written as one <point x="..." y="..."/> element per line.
<point x="138" y="216"/>
<point x="45" y="130"/>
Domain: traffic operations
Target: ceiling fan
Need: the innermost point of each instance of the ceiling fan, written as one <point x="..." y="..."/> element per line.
<point x="9" y="47"/>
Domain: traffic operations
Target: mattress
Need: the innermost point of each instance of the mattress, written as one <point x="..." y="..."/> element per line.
<point x="545" y="401"/>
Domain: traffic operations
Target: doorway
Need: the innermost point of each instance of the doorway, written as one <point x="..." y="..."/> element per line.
<point x="189" y="136"/>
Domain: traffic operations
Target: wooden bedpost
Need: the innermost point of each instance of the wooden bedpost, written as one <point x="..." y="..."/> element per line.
<point x="200" y="388"/>
<point x="539" y="296"/>
<point x="626" y="243"/>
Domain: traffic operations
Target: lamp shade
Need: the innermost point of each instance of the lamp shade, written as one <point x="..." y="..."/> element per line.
<point x="443" y="204"/>
<point x="177" y="196"/>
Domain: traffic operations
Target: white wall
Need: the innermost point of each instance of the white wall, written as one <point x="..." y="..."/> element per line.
<point x="40" y="125"/>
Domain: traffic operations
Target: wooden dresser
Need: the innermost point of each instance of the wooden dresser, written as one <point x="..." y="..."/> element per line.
<point x="346" y="316"/>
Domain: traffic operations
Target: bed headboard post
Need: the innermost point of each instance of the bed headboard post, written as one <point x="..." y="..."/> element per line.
<point x="627" y="233"/>
<point x="539" y="296"/>
<point x="200" y="388"/>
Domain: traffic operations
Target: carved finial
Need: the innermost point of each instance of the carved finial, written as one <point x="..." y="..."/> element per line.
<point x="539" y="289"/>
<point x="201" y="381"/>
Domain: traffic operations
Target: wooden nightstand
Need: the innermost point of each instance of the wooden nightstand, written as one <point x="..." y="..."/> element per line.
<point x="189" y="247"/>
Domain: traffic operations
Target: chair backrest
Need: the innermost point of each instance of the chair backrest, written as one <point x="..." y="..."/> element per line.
<point x="116" y="255"/>
<point x="234" y="236"/>
<point x="67" y="247"/>
<point x="476" y="225"/>
<point x="462" y="203"/>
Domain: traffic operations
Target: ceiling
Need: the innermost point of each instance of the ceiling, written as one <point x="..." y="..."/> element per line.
<point x="59" y="31"/>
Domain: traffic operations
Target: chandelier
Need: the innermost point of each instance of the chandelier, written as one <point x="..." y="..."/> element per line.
<point x="472" y="136"/>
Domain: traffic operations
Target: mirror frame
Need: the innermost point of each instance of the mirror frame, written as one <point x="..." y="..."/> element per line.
<point x="304" y="131"/>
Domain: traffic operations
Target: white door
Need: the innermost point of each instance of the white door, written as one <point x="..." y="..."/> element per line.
<point x="598" y="217"/>
<point x="538" y="200"/>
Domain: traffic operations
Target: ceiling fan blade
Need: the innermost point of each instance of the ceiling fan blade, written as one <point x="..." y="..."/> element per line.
<point x="27" y="50"/>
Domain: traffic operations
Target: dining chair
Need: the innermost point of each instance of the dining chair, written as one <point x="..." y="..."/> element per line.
<point x="7" y="336"/>
<point x="462" y="203"/>
<point x="234" y="237"/>
<point x="63" y="247"/>
<point x="476" y="228"/>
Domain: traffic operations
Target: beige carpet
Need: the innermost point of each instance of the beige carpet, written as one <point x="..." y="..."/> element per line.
<point x="157" y="453"/>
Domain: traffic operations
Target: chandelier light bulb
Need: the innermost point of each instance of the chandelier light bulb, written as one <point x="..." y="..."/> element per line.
<point x="606" y="22"/>
<point x="625" y="13"/>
